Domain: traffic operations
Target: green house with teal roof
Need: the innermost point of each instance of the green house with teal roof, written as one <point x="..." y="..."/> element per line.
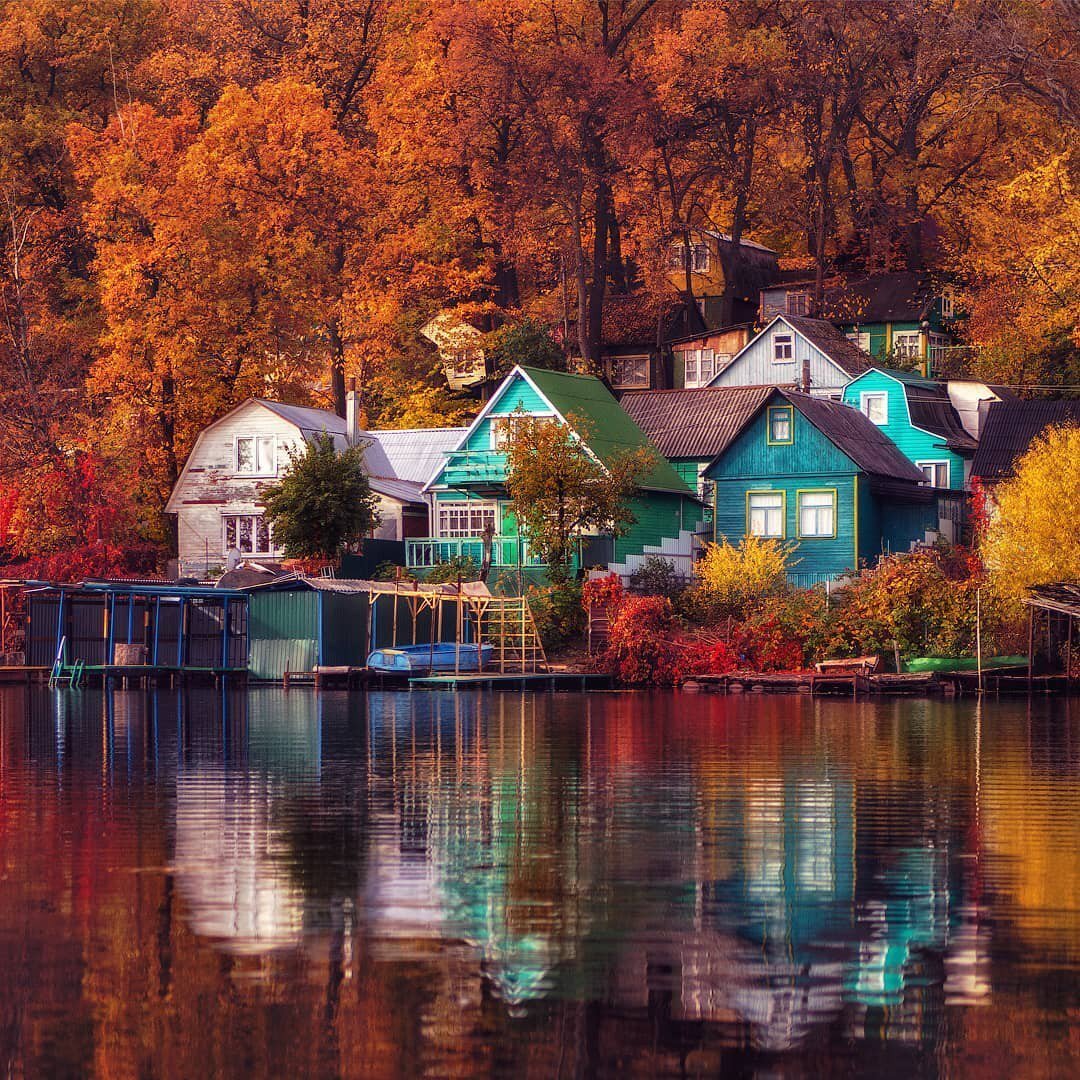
<point x="824" y="477"/>
<point x="468" y="492"/>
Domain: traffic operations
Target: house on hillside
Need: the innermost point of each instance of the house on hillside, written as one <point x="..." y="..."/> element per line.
<point x="469" y="497"/>
<point x="918" y="415"/>
<point x="723" y="278"/>
<point x="796" y="351"/>
<point x="819" y="474"/>
<point x="891" y="316"/>
<point x="460" y="346"/>
<point x="691" y="427"/>
<point x="1010" y="427"/>
<point x="637" y="333"/>
<point x="698" y="359"/>
<point x="216" y="498"/>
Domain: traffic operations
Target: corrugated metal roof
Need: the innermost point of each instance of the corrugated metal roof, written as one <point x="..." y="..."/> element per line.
<point x="408" y="491"/>
<point x="411" y="454"/>
<point x="1010" y="428"/>
<point x="308" y="419"/>
<point x="611" y="429"/>
<point x="693" y="423"/>
<point x="845" y="354"/>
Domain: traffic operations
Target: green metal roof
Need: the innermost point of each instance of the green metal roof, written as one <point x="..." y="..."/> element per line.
<point x="611" y="429"/>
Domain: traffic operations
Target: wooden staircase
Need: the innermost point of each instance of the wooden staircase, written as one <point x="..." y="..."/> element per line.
<point x="506" y="623"/>
<point x="599" y="627"/>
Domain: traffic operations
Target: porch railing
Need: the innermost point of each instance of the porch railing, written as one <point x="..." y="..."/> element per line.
<point x="429" y="551"/>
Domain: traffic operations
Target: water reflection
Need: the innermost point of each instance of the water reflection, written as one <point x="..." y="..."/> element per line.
<point x="403" y="884"/>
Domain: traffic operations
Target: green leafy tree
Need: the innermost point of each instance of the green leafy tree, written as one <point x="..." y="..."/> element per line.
<point x="527" y="342"/>
<point x="323" y="504"/>
<point x="559" y="489"/>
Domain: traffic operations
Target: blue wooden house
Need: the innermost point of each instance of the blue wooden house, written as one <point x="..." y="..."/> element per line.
<point x="822" y="475"/>
<point x="469" y="495"/>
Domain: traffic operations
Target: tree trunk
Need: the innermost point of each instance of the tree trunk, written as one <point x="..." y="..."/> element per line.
<point x="601" y="226"/>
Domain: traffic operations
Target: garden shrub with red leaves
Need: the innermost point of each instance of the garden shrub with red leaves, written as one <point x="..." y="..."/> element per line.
<point x="603" y="591"/>
<point x="645" y="646"/>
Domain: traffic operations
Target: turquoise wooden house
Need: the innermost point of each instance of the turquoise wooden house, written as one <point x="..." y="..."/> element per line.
<point x="469" y="495"/>
<point x="918" y="415"/>
<point x="821" y="475"/>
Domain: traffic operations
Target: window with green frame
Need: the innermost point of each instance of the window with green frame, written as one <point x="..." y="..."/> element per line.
<point x="781" y="425"/>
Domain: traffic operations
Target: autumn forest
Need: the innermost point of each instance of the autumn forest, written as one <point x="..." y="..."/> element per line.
<point x="204" y="200"/>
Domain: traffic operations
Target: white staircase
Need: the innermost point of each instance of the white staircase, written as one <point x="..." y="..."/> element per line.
<point x="678" y="550"/>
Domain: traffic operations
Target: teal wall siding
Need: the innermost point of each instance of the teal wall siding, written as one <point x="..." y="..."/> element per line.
<point x="659" y="516"/>
<point x="901" y="523"/>
<point x="870" y="545"/>
<point x="916" y="445"/>
<point x="687" y="471"/>
<point x="518" y="394"/>
<point x="812" y="555"/>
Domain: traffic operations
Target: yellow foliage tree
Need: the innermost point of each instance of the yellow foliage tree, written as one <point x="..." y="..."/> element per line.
<point x="732" y="575"/>
<point x="1034" y="532"/>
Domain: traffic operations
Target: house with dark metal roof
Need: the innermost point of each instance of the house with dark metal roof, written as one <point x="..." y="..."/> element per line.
<point x="899" y="315"/>
<point x="469" y="495"/>
<point x="216" y="499"/>
<point x="822" y="476"/>
<point x="1010" y="427"/>
<point x="799" y="352"/>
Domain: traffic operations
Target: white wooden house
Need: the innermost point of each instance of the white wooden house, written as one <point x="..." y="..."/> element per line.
<point x="810" y="354"/>
<point x="216" y="499"/>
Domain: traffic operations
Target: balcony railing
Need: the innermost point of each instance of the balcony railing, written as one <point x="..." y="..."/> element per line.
<point x="430" y="551"/>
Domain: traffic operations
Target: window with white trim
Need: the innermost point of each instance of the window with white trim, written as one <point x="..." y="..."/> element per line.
<point x="699" y="367"/>
<point x="248" y="533"/>
<point x="936" y="473"/>
<point x="875" y="407"/>
<point x="255" y="455"/>
<point x="783" y="349"/>
<point x="464" y="362"/>
<point x="780" y="419"/>
<point x="817" y="513"/>
<point x="696" y="257"/>
<point x="906" y="344"/>
<point x="630" y="371"/>
<point x="504" y="428"/>
<point x="948" y="305"/>
<point x="468" y="518"/>
<point x="860" y="338"/>
<point x="765" y="514"/>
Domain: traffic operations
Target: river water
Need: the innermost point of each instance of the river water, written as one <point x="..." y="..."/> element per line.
<point x="390" y="884"/>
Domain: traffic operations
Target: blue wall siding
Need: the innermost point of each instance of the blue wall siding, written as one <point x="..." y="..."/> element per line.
<point x="756" y="367"/>
<point x="916" y="445"/>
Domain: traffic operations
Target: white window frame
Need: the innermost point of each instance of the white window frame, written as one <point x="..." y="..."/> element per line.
<point x="449" y="513"/>
<point x="771" y="515"/>
<point x="255" y="440"/>
<point x="620" y="382"/>
<point x="860" y="338"/>
<point x="255" y="550"/>
<point x="502" y="427"/>
<point x="866" y="397"/>
<point x="700" y="258"/>
<point x="815" y="532"/>
<point x="704" y="367"/>
<point x="948" y="305"/>
<point x="677" y="256"/>
<point x="934" y="465"/>
<point x="906" y="344"/>
<point x="784" y="342"/>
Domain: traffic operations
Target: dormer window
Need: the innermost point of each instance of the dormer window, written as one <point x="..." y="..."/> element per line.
<point x="255" y="455"/>
<point x="875" y="407"/>
<point x="783" y="349"/>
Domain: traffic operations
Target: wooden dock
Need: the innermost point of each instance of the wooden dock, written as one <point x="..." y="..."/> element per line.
<point x="944" y="683"/>
<point x="539" y="680"/>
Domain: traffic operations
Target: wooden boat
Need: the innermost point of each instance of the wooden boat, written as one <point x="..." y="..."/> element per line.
<point x="963" y="663"/>
<point x="441" y="658"/>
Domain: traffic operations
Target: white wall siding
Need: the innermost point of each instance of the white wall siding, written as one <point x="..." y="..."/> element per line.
<point x="755" y="366"/>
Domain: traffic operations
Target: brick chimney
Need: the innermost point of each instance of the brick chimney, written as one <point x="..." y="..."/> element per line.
<point x="352" y="412"/>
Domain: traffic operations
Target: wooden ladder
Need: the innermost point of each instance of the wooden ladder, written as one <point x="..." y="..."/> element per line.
<point x="599" y="627"/>
<point x="507" y="625"/>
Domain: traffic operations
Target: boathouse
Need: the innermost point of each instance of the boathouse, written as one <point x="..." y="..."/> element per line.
<point x="121" y="628"/>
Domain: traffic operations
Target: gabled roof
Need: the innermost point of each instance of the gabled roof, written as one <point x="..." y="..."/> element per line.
<point x="1011" y="427"/>
<point x="824" y="336"/>
<point x="899" y="296"/>
<point x="693" y="423"/>
<point x="406" y="491"/>
<point x="931" y="409"/>
<point x="610" y="429"/>
<point x="871" y="450"/>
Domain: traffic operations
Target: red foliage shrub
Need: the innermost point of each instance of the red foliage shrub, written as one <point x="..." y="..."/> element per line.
<point x="765" y="644"/>
<point x="644" y="645"/>
<point x="605" y="591"/>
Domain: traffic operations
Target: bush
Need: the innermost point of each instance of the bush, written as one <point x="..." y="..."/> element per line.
<point x="786" y="632"/>
<point x="458" y="567"/>
<point x="606" y="590"/>
<point x="558" y="613"/>
<point x="657" y="577"/>
<point x="643" y="645"/>
<point x="731" y="578"/>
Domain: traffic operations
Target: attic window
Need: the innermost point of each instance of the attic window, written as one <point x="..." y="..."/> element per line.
<point x="780" y="432"/>
<point x="875" y="407"/>
<point x="798" y="303"/>
<point x="699" y="367"/>
<point x="697" y="255"/>
<point x="783" y="349"/>
<point x="504" y="428"/>
<point x="255" y="455"/>
<point x="630" y="371"/>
